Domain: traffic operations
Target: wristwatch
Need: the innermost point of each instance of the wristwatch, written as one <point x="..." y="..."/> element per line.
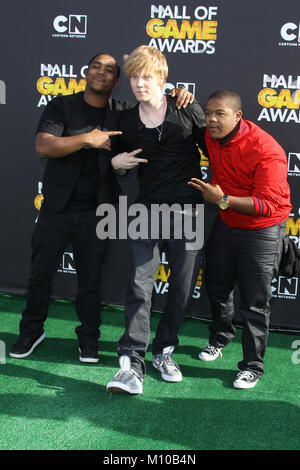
<point x="224" y="203"/>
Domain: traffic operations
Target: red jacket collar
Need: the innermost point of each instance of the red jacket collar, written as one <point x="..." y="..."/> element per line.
<point x="242" y="131"/>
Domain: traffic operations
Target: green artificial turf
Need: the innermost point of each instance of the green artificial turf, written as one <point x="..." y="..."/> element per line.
<point x="50" y="400"/>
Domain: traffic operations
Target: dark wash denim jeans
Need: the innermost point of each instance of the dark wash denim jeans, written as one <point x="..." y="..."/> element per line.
<point x="250" y="259"/>
<point x="184" y="263"/>
<point x="52" y="234"/>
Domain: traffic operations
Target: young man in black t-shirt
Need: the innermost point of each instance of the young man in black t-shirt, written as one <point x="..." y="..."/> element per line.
<point x="167" y="138"/>
<point x="74" y="135"/>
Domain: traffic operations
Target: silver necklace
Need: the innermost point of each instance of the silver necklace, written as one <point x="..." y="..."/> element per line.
<point x="159" y="131"/>
<point x="155" y="127"/>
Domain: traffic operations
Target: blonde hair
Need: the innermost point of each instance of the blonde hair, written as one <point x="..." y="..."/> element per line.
<point x="146" y="58"/>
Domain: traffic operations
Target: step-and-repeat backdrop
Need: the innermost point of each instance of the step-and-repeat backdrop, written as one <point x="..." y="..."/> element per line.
<point x="250" y="47"/>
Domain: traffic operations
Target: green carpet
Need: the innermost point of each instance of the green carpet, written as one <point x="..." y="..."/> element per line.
<point x="52" y="401"/>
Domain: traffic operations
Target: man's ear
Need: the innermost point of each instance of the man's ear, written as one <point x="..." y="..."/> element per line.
<point x="116" y="83"/>
<point x="238" y="115"/>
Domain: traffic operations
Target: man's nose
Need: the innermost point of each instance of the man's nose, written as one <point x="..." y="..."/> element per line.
<point x="101" y="70"/>
<point x="139" y="82"/>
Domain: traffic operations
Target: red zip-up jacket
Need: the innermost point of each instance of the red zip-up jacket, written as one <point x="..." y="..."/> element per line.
<point x="251" y="164"/>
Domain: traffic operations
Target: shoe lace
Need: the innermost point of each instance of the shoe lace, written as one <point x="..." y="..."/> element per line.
<point x="169" y="362"/>
<point x="126" y="374"/>
<point x="246" y="375"/>
<point x="211" y="349"/>
<point x="123" y="372"/>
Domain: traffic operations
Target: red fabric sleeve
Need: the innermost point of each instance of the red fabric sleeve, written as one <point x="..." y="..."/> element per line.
<point x="270" y="184"/>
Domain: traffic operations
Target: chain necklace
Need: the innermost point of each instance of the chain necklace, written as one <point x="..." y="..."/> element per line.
<point x="154" y="126"/>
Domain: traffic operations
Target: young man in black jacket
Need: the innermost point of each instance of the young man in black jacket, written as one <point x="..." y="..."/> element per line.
<point x="167" y="137"/>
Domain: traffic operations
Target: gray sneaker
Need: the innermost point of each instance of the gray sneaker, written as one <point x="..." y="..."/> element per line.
<point x="168" y="368"/>
<point x="126" y="380"/>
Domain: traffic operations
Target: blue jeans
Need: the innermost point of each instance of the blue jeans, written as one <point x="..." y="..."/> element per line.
<point x="249" y="259"/>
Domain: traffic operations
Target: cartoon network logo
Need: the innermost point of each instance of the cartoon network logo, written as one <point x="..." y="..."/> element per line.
<point x="67" y="265"/>
<point x="2" y="92"/>
<point x="294" y="164"/>
<point x="191" y="87"/>
<point x="73" y="26"/>
<point x="290" y="33"/>
<point x="284" y="288"/>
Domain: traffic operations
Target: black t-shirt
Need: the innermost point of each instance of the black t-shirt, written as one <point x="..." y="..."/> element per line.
<point x="53" y="122"/>
<point x="173" y="160"/>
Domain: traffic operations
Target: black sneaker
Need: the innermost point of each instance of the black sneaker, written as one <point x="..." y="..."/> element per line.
<point x="25" y="345"/>
<point x="210" y="353"/>
<point x="88" y="353"/>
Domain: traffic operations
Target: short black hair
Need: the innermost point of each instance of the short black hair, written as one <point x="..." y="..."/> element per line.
<point x="234" y="98"/>
<point x="118" y="68"/>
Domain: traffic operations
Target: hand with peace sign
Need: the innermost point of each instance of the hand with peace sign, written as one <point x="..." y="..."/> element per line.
<point x="127" y="160"/>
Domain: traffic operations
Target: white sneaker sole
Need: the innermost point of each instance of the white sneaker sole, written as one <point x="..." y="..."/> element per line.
<point x="117" y="387"/>
<point x="167" y="378"/>
<point x="244" y="385"/>
<point x="20" y="356"/>
<point x="90" y="360"/>
<point x="208" y="358"/>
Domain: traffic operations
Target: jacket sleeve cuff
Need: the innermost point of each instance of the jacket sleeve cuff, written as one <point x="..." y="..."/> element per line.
<point x="261" y="208"/>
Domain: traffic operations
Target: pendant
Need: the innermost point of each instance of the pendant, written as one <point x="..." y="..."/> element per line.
<point x="159" y="133"/>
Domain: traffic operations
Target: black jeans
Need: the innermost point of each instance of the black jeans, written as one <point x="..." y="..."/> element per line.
<point x="249" y="258"/>
<point x="52" y="234"/>
<point x="184" y="264"/>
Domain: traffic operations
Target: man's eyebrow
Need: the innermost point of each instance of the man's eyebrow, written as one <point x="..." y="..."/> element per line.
<point x="110" y="64"/>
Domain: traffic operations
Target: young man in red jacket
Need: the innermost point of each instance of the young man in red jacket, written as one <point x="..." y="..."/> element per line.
<point x="250" y="187"/>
